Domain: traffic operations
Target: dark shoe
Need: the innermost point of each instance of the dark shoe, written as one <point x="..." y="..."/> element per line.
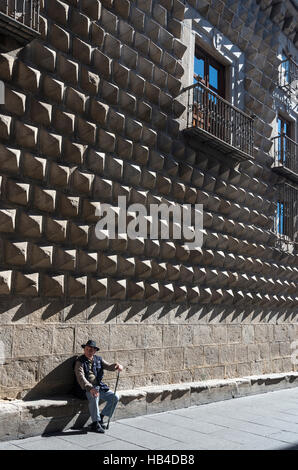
<point x="96" y="427"/>
<point x="104" y="426"/>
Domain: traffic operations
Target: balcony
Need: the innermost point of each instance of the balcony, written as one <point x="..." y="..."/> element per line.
<point x="19" y="20"/>
<point x="288" y="75"/>
<point x="213" y="120"/>
<point x="285" y="157"/>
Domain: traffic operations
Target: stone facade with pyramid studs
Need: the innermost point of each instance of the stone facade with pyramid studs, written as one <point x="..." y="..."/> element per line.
<point x="95" y="108"/>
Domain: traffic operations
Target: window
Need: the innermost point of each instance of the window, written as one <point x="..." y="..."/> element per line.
<point x="285" y="150"/>
<point x="280" y="225"/>
<point x="209" y="71"/>
<point x="288" y="73"/>
<point x="284" y="126"/>
<point x="284" y="131"/>
<point x="208" y="112"/>
<point x="286" y="212"/>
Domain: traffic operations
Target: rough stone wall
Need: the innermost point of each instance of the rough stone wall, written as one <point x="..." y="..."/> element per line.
<point x="92" y="111"/>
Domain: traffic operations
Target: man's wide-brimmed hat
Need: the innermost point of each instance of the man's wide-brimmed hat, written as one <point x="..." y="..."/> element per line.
<point x="91" y="344"/>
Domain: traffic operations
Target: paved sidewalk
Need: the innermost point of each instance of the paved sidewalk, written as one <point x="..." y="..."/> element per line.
<point x="261" y="422"/>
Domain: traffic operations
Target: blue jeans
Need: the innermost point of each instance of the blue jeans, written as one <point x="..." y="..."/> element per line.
<point x="93" y="403"/>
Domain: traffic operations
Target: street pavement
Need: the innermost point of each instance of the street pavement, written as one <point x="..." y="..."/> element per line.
<point x="260" y="422"/>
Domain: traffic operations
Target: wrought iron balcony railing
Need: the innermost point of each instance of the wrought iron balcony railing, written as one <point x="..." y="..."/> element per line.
<point x="285" y="156"/>
<point x="288" y="75"/>
<point x="286" y="218"/>
<point x="216" y="121"/>
<point x="19" y="19"/>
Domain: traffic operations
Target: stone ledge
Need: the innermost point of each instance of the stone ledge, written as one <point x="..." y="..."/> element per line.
<point x="20" y="419"/>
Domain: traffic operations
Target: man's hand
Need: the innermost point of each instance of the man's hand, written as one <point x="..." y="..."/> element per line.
<point x="118" y="367"/>
<point x="94" y="392"/>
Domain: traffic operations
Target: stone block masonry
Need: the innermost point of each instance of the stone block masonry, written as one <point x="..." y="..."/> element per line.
<point x="93" y="111"/>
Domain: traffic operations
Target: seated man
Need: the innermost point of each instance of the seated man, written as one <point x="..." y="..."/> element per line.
<point x="89" y="370"/>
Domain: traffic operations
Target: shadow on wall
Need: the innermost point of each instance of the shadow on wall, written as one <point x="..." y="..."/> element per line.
<point x="58" y="386"/>
<point x="59" y="381"/>
<point x="15" y="310"/>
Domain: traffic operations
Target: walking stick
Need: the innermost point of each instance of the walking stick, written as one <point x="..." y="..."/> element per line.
<point x="113" y="398"/>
